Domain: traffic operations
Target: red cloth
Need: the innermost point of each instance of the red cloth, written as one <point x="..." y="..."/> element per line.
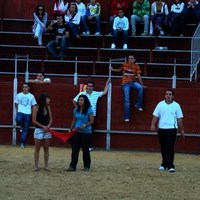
<point x="63" y="136"/>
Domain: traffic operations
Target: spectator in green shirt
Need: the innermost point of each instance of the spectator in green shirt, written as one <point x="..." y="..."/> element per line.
<point x="141" y="12"/>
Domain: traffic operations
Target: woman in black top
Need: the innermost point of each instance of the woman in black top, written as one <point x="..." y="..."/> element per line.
<point x="42" y="119"/>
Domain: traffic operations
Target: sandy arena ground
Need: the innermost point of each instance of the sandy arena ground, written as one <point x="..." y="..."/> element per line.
<point x="113" y="175"/>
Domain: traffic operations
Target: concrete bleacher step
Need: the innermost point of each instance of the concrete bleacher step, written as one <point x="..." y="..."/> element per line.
<point x="26" y="38"/>
<point x="40" y="52"/>
<point x="168" y="56"/>
<point x="102" y="41"/>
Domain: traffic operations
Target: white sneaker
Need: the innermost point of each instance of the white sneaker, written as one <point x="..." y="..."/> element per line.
<point x="84" y="33"/>
<point x="161" y="168"/>
<point x="127" y="120"/>
<point x="91" y="149"/>
<point x="162" y="32"/>
<point x="171" y="170"/>
<point x="22" y="146"/>
<point x="97" y="33"/>
<point x="87" y="33"/>
<point x="113" y="46"/>
<point x="125" y="46"/>
<point x="138" y="108"/>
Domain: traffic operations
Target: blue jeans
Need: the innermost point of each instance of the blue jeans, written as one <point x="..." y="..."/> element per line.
<point x="97" y="19"/>
<point x="111" y="20"/>
<point x="23" y="120"/>
<point x="62" y="43"/>
<point x="126" y="90"/>
<point x="124" y="36"/>
<point x="73" y="29"/>
<point x="84" y="23"/>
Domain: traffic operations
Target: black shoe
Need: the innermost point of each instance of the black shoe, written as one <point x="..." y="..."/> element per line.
<point x="86" y="169"/>
<point x="70" y="169"/>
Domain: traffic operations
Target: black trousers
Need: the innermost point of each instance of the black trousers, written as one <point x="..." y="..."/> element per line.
<point x="90" y="139"/>
<point x="167" y="139"/>
<point x="80" y="141"/>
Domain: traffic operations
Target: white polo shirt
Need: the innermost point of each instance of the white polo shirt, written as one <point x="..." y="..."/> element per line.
<point x="168" y="114"/>
<point x="93" y="98"/>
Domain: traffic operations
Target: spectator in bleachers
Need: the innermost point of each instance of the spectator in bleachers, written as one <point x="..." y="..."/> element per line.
<point x="141" y="12"/>
<point x="131" y="70"/>
<point x="60" y="7"/>
<point x="93" y="12"/>
<point x="82" y="12"/>
<point x="120" y="26"/>
<point x="61" y="35"/>
<point x="115" y="6"/>
<point x="40" y="78"/>
<point x="159" y="13"/>
<point x="72" y="19"/>
<point x="40" y="21"/>
<point x="190" y="14"/>
<point x="24" y="103"/>
<point x="173" y="19"/>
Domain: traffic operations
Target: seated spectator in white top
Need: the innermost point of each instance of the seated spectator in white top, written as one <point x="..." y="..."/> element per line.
<point x="40" y="21"/>
<point x="159" y="12"/>
<point x="40" y="78"/>
<point x="82" y="12"/>
<point x="173" y="19"/>
<point x="120" y="26"/>
<point x="72" y="20"/>
<point x="114" y="8"/>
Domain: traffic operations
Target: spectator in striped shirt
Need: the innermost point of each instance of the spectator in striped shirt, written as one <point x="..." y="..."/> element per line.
<point x="93" y="97"/>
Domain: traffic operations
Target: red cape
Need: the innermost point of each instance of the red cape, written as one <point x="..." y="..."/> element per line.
<point x="63" y="136"/>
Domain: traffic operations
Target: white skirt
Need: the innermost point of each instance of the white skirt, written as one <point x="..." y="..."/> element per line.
<point x="40" y="134"/>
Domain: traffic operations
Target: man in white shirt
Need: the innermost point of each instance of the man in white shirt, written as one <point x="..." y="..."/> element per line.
<point x="24" y="102"/>
<point x="167" y="116"/>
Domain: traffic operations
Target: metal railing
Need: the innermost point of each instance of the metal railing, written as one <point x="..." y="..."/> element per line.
<point x="195" y="54"/>
<point x="108" y="130"/>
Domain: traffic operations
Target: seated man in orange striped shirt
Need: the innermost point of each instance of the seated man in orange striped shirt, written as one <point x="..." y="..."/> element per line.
<point x="130" y="70"/>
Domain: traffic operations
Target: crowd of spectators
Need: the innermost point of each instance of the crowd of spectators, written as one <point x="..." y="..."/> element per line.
<point x="157" y="17"/>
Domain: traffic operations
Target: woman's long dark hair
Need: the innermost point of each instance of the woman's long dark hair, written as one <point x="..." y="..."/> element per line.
<point x="86" y="106"/>
<point x="42" y="103"/>
<point x="37" y="10"/>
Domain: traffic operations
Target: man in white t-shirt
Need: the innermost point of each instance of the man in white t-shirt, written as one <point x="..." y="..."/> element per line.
<point x="167" y="117"/>
<point x="24" y="102"/>
<point x="93" y="97"/>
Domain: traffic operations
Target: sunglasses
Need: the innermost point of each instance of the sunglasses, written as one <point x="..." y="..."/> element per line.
<point x="168" y="94"/>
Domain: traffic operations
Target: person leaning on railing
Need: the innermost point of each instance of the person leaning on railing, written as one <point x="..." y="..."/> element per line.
<point x="40" y="78"/>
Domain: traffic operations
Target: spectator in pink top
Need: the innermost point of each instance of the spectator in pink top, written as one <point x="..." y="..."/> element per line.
<point x="60" y="7"/>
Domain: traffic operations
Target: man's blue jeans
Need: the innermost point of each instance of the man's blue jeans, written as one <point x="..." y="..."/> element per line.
<point x="62" y="43"/>
<point x="23" y="120"/>
<point x="124" y="36"/>
<point x="97" y="20"/>
<point x="126" y="90"/>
